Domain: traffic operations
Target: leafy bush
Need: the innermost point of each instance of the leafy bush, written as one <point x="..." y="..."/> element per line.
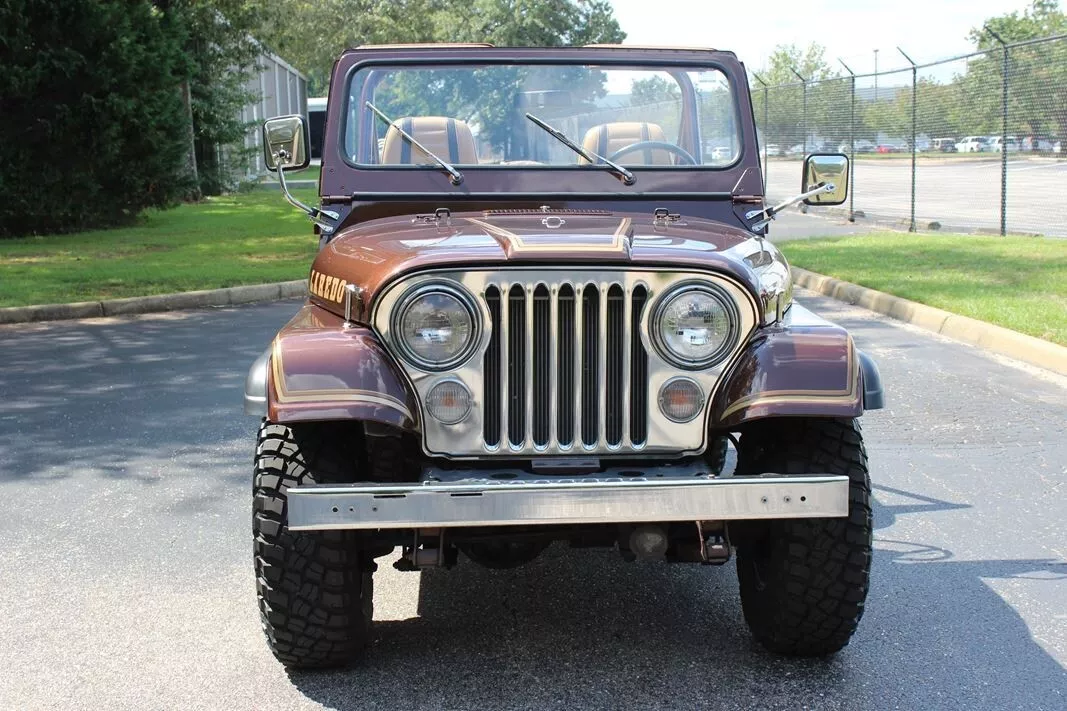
<point x="91" y="112"/>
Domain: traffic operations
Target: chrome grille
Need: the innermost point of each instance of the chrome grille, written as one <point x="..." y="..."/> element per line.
<point x="565" y="365"/>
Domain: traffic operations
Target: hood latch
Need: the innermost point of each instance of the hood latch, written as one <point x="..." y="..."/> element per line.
<point x="662" y="217"/>
<point x="440" y="216"/>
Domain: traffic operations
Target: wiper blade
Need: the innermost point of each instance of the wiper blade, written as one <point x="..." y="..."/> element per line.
<point x="454" y="175"/>
<point x="627" y="177"/>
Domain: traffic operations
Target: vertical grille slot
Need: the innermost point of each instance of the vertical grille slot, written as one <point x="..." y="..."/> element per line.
<point x="491" y="371"/>
<point x="542" y="387"/>
<point x="516" y="336"/>
<point x="615" y="347"/>
<point x="638" y="370"/>
<point x="566" y="359"/>
<point x="590" y="354"/>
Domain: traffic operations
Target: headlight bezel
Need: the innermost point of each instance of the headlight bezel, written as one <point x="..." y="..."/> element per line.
<point x="404" y="304"/>
<point x="724" y="349"/>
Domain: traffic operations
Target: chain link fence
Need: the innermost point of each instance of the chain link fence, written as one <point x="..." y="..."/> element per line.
<point x="976" y="143"/>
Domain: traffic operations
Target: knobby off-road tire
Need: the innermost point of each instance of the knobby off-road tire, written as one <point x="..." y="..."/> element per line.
<point x="315" y="588"/>
<point x="804" y="585"/>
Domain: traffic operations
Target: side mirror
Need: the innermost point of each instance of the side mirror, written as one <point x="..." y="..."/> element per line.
<point x="286" y="143"/>
<point x="825" y="169"/>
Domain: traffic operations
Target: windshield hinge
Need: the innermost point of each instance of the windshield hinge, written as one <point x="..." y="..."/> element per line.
<point x="662" y="217"/>
<point x="440" y="216"/>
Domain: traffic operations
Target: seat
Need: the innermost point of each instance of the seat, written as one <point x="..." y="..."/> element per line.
<point x="607" y="138"/>
<point x="450" y="139"/>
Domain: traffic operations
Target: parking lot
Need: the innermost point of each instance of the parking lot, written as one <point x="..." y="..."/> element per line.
<point x="127" y="575"/>
<point x="961" y="194"/>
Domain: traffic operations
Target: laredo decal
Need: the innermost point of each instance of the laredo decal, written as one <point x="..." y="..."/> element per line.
<point x="326" y="287"/>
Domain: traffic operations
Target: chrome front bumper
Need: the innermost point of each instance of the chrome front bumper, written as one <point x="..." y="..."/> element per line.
<point x="461" y="499"/>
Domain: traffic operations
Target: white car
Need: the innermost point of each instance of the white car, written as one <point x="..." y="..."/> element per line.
<point x="1009" y="144"/>
<point x="722" y="153"/>
<point x="973" y="144"/>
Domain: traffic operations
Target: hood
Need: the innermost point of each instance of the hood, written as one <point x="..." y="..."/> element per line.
<point x="374" y="253"/>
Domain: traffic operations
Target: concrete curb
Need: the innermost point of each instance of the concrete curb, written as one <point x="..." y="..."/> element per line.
<point x="163" y="302"/>
<point x="1028" y="349"/>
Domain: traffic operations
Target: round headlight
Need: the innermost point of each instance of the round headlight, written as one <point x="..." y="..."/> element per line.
<point x="695" y="326"/>
<point x="435" y="327"/>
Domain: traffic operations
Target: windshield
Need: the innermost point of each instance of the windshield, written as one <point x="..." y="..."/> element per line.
<point x="479" y="116"/>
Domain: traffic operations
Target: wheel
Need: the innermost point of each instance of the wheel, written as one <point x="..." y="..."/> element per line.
<point x="315" y="588"/>
<point x="804" y="583"/>
<point x="716" y="454"/>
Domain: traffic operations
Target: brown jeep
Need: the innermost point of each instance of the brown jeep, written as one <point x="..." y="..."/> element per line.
<point x="544" y="310"/>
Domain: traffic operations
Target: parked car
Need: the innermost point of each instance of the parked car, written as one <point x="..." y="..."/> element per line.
<point x="943" y="145"/>
<point x="722" y="153"/>
<point x="796" y="150"/>
<point x="1057" y="147"/>
<point x="773" y="149"/>
<point x="495" y="357"/>
<point x="1009" y="144"/>
<point x="1036" y="144"/>
<point x="973" y="144"/>
<point x="922" y="144"/>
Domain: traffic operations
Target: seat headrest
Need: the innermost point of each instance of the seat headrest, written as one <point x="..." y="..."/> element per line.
<point x="449" y="138"/>
<point x="607" y="138"/>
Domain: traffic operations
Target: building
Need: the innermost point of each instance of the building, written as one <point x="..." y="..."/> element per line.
<point x="281" y="90"/>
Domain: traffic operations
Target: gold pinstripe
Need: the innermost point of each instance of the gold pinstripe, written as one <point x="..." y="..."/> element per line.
<point x="368" y="397"/>
<point x="776" y="397"/>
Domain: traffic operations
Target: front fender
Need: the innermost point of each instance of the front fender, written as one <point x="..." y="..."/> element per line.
<point x="808" y="366"/>
<point x="319" y="369"/>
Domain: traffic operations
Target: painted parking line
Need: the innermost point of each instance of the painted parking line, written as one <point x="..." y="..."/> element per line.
<point x="1042" y="166"/>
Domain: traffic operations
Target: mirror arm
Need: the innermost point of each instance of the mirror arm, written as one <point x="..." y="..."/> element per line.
<point x="769" y="212"/>
<point x="314" y="213"/>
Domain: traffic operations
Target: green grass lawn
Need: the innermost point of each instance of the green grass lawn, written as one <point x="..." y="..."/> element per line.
<point x="256" y="237"/>
<point x="1016" y="282"/>
<point x="309" y="173"/>
<point x="248" y="238"/>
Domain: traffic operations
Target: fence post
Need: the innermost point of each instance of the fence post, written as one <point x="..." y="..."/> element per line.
<point x="804" y="126"/>
<point x="1003" y="134"/>
<point x="851" y="144"/>
<point x="766" y="165"/>
<point x="914" y="87"/>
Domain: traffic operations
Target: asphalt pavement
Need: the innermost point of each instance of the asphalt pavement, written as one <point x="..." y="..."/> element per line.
<point x="127" y="582"/>
<point x="960" y="194"/>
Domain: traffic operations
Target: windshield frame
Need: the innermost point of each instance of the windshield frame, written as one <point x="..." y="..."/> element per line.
<point x="497" y="178"/>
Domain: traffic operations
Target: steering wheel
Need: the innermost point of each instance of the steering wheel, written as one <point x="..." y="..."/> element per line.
<point x="656" y="145"/>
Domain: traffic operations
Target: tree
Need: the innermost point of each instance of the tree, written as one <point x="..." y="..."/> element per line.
<point x="91" y="114"/>
<point x="222" y="53"/>
<point x="653" y="90"/>
<point x="787" y="122"/>
<point x="809" y="62"/>
<point x="311" y="35"/>
<point x="1037" y="77"/>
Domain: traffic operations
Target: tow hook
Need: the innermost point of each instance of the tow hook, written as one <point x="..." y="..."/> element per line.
<point x="714" y="546"/>
<point x="427" y="550"/>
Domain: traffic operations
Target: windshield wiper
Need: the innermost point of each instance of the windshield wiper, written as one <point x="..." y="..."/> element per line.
<point x="454" y="175"/>
<point x="627" y="177"/>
